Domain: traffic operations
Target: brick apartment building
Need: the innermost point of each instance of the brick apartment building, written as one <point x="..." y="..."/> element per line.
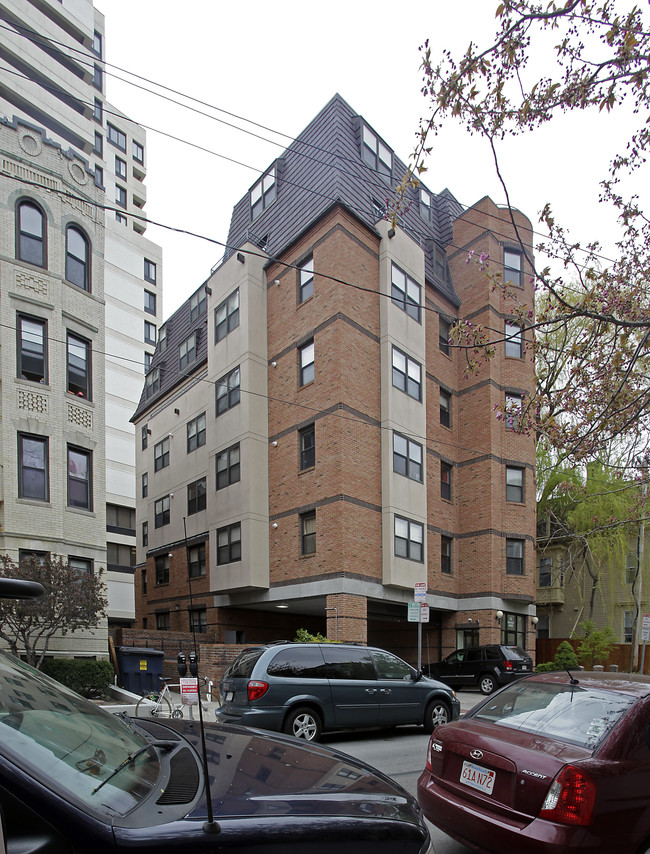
<point x="309" y="445"/>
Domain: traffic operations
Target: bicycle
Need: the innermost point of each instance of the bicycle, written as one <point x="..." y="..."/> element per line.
<point x="157" y="704"/>
<point x="160" y="704"/>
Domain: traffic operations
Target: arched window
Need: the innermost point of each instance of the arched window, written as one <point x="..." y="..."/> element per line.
<point x="31" y="233"/>
<point x="77" y="258"/>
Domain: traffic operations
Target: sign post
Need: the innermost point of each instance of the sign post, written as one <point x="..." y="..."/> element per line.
<point x="419" y="613"/>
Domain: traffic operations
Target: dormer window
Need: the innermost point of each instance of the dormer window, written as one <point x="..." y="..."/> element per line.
<point x="198" y="304"/>
<point x="425" y="204"/>
<point x="375" y="153"/>
<point x="187" y="352"/>
<point x="263" y="193"/>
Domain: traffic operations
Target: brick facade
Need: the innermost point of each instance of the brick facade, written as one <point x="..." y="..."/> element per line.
<point x="320" y="536"/>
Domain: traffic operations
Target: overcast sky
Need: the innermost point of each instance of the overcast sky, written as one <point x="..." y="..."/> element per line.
<point x="277" y="64"/>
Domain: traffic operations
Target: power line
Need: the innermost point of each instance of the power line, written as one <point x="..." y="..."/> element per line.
<point x="92" y="58"/>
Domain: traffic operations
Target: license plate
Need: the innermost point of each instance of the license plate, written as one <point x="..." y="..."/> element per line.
<point x="229" y="696"/>
<point x="477" y="777"/>
<point x="524" y="667"/>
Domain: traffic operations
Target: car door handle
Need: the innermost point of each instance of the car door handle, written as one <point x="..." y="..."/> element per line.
<point x="384" y="690"/>
<point x="371" y="690"/>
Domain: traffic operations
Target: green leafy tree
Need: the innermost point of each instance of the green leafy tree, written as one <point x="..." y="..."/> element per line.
<point x="596" y="644"/>
<point x="591" y="516"/>
<point x="591" y="315"/>
<point x="73" y="600"/>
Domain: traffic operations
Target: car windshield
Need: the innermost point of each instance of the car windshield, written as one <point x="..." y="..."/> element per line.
<point x="69" y="744"/>
<point x="571" y="713"/>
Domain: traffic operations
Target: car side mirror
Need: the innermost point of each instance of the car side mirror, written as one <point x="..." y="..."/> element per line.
<point x="417" y="675"/>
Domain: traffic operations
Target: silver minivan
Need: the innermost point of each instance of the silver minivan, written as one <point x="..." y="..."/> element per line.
<point x="305" y="689"/>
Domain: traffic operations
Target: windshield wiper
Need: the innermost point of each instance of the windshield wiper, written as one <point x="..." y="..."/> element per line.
<point x="163" y="745"/>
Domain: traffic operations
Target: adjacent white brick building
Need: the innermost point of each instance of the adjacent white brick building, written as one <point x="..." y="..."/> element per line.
<point x="62" y="142"/>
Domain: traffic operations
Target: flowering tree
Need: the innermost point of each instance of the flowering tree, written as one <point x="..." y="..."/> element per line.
<point x="73" y="600"/>
<point x="592" y="315"/>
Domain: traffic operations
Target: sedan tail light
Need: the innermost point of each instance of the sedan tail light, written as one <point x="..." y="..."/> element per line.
<point x="257" y="689"/>
<point x="571" y="797"/>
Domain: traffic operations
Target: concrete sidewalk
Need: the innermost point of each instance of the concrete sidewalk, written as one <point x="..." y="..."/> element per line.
<point x="126" y="701"/>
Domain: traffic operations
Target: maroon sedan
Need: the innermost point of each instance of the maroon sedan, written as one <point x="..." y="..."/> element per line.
<point x="551" y="763"/>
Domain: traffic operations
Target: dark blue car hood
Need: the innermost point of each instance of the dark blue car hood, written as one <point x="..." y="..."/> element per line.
<point x="254" y="773"/>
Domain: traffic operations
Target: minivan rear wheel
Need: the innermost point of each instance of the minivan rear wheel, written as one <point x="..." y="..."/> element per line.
<point x="303" y="723"/>
<point x="437" y="713"/>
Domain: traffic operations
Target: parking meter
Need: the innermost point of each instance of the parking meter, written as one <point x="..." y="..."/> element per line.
<point x="181" y="664"/>
<point x="194" y="664"/>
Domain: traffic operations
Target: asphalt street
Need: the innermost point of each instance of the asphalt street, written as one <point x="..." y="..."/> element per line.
<point x="401" y="754"/>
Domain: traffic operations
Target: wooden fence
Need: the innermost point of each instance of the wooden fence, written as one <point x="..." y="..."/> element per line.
<point x="620" y="655"/>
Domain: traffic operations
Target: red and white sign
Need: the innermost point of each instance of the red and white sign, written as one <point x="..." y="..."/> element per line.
<point x="420" y="590"/>
<point x="189" y="691"/>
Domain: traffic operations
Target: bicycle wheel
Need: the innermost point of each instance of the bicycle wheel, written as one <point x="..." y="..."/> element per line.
<point x="153" y="706"/>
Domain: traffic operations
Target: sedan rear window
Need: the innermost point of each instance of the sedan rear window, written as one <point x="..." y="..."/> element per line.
<point x="572" y="713"/>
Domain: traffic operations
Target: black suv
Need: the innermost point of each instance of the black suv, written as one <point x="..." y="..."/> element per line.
<point x="488" y="667"/>
<point x="306" y="688"/>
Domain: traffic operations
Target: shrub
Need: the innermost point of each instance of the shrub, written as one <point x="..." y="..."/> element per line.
<point x="596" y="645"/>
<point x="565" y="657"/>
<point x="86" y="676"/>
<point x="303" y="636"/>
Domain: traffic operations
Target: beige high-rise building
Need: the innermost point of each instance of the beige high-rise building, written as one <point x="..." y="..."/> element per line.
<point x="80" y="299"/>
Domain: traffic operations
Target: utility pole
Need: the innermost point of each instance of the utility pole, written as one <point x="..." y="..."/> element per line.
<point x="638" y="587"/>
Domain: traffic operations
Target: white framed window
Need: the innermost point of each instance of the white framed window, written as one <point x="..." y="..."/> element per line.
<point x="228" y="391"/>
<point x="407" y="374"/>
<point x="512" y="267"/>
<point x="406" y="293"/>
<point x="514" y="404"/>
<point x="515" y="484"/>
<point x="407" y="457"/>
<point x="306" y="355"/>
<point x="514" y="557"/>
<point x="198" y="304"/>
<point x="161" y="454"/>
<point x="116" y="136"/>
<point x="306" y="279"/>
<point x="152" y="383"/>
<point x="263" y="193"/>
<point x="409" y="539"/>
<point x="196" y="433"/>
<point x="187" y="352"/>
<point x="226" y="316"/>
<point x="514" y="341"/>
<point x="149" y="271"/>
<point x="376" y="153"/>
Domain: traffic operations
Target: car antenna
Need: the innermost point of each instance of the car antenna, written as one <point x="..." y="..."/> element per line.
<point x="209" y="826"/>
<point x="572" y="679"/>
